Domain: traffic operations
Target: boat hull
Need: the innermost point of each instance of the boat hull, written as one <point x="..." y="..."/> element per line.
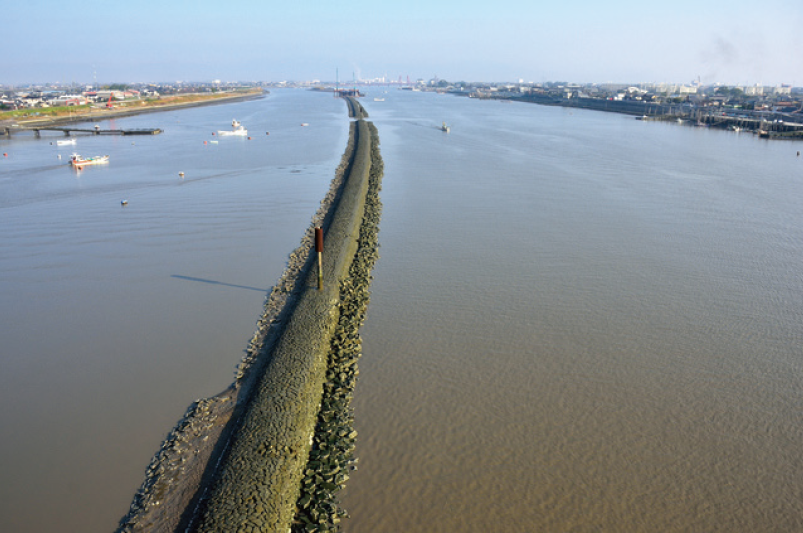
<point x="237" y="133"/>
<point x="81" y="162"/>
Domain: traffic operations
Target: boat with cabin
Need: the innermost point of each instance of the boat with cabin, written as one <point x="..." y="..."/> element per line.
<point x="237" y="129"/>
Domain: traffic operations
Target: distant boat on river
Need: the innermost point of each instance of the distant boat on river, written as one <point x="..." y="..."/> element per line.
<point x="446" y="128"/>
<point x="80" y="161"/>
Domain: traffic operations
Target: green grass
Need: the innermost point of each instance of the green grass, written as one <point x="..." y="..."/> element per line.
<point x="58" y="111"/>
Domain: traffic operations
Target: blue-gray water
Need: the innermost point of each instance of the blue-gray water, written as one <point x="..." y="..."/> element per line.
<point x="579" y="322"/>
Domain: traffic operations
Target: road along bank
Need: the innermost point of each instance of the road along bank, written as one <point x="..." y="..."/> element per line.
<point x="238" y="458"/>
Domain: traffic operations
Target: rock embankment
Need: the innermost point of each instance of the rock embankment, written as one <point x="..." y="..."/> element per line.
<point x="356" y="110"/>
<point x="259" y="480"/>
<point x="235" y="461"/>
<point x="331" y="457"/>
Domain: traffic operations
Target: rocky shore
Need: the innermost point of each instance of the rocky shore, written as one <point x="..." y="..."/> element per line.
<point x="237" y="462"/>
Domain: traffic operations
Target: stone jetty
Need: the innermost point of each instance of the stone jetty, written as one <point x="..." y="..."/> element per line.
<point x="270" y="452"/>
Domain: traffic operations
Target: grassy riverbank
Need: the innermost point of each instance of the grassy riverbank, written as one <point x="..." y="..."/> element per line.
<point x="29" y="118"/>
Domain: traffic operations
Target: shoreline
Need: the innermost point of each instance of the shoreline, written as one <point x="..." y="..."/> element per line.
<point x="775" y="126"/>
<point x="14" y="126"/>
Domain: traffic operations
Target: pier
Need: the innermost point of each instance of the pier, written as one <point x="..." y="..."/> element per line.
<point x="96" y="131"/>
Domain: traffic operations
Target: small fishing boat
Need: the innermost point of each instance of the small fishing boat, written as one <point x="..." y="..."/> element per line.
<point x="80" y="161"/>
<point x="304" y="124"/>
<point x="237" y="129"/>
<point x="446" y="128"/>
<point x="379" y="99"/>
<point x="66" y="142"/>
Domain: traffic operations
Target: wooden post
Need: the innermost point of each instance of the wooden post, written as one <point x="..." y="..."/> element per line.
<point x="319" y="250"/>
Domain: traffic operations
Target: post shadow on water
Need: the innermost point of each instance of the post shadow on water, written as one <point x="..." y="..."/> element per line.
<point x="213" y="282"/>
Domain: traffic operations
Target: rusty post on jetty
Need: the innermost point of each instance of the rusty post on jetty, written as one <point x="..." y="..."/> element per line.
<point x="319" y="250"/>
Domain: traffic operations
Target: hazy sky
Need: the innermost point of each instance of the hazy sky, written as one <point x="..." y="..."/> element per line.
<point x="733" y="42"/>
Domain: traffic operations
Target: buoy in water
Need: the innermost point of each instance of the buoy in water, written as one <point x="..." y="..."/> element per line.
<point x="267" y="133"/>
<point x="204" y="142"/>
<point x="249" y="138"/>
<point x="59" y="156"/>
<point x="5" y="154"/>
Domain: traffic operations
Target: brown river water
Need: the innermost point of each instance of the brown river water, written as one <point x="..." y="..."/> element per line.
<point x="579" y="322"/>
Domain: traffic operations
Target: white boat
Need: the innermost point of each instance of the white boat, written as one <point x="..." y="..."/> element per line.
<point x="379" y="99"/>
<point x="304" y="124"/>
<point x="66" y="143"/>
<point x="236" y="129"/>
<point x="81" y="161"/>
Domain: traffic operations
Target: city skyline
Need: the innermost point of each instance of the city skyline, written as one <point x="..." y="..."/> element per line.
<point x="732" y="43"/>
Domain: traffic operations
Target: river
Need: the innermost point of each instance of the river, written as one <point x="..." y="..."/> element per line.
<point x="579" y="322"/>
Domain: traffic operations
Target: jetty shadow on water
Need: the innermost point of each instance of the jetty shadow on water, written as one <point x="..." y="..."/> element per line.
<point x="213" y="282"/>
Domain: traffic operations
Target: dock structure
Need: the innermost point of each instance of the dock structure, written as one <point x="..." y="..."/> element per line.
<point x="348" y="92"/>
<point x="96" y="131"/>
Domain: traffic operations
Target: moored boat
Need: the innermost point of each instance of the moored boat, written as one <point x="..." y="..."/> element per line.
<point x="80" y="161"/>
<point x="236" y="129"/>
<point x="445" y="128"/>
<point x="65" y="142"/>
